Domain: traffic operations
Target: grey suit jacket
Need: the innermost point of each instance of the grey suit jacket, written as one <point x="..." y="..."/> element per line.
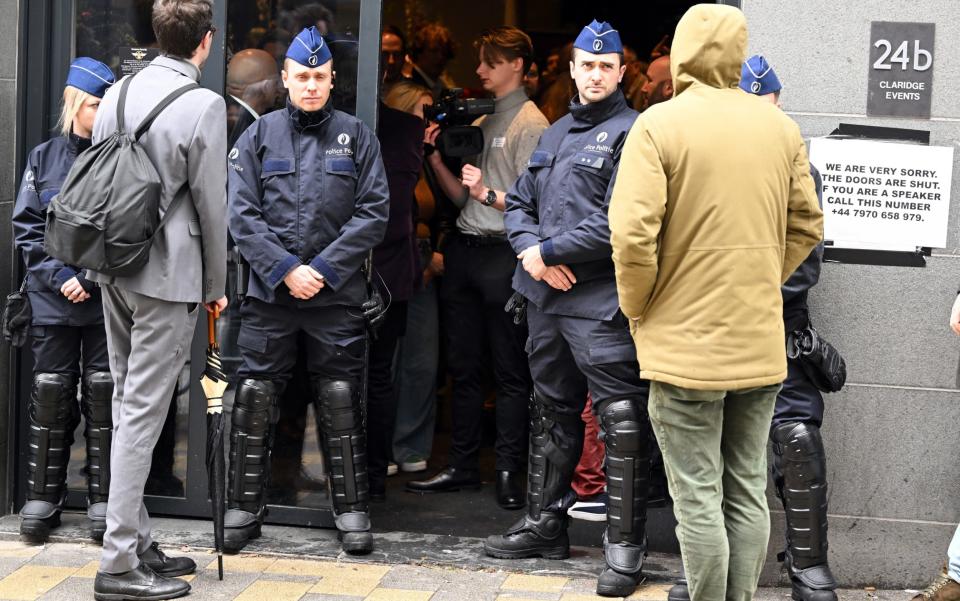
<point x="188" y="145"/>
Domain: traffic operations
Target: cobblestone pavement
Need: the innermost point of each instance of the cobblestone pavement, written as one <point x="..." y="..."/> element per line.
<point x="65" y="572"/>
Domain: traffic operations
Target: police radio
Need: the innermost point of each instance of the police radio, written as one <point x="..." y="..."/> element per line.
<point x="454" y="114"/>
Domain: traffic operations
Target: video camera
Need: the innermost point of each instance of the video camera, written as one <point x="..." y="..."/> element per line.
<point x="454" y="114"/>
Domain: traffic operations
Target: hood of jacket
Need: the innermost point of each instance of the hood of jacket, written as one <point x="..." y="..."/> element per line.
<point x="709" y="47"/>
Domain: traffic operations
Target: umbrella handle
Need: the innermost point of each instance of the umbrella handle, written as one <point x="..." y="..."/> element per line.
<point x="211" y="329"/>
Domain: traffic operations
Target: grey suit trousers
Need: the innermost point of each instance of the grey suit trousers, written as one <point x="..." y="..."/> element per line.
<point x="149" y="342"/>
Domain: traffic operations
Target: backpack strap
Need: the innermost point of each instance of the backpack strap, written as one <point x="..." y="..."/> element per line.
<point x="148" y="120"/>
<point x="122" y="103"/>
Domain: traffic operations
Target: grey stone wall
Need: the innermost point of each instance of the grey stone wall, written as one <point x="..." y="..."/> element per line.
<point x="892" y="434"/>
<point x="8" y="129"/>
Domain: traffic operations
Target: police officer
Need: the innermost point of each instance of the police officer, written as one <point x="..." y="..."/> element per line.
<point x="556" y="220"/>
<point x="67" y="324"/>
<point x="799" y="461"/>
<point x="308" y="200"/>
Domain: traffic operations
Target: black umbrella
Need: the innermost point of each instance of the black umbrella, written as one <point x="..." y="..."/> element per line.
<point x="214" y="383"/>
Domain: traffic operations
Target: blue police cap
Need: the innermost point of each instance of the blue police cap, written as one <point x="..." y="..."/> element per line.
<point x="91" y="76"/>
<point x="599" y="38"/>
<point x="757" y="77"/>
<point x="309" y="48"/>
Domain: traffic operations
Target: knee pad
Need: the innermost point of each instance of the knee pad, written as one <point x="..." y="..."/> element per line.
<point x="254" y="412"/>
<point x="802" y="462"/>
<point x="53" y="416"/>
<point x="340" y="413"/>
<point x="97" y="405"/>
<point x="97" y="398"/>
<point x="340" y="409"/>
<point x="626" y="431"/>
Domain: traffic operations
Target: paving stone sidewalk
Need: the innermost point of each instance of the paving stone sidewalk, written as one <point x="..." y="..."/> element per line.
<point x="64" y="572"/>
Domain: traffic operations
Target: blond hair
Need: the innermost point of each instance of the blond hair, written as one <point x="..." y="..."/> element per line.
<point x="73" y="99"/>
<point x="405" y="96"/>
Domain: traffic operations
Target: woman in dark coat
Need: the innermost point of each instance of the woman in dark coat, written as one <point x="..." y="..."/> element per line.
<point x="68" y="340"/>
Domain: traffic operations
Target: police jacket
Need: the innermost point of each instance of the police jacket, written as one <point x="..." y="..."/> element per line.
<point x="307" y="189"/>
<point x="795" y="289"/>
<point x="560" y="202"/>
<point x="47" y="167"/>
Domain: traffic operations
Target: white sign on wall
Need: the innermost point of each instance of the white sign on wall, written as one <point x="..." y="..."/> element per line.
<point x="884" y="195"/>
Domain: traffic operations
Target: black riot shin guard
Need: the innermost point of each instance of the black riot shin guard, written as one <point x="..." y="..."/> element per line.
<point x="96" y="403"/>
<point x="800" y="475"/>
<point x="251" y="435"/>
<point x="626" y="431"/>
<point x="556" y="442"/>
<point x="340" y="415"/>
<point x="53" y="416"/>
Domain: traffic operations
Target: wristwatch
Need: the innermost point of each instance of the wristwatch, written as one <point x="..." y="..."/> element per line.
<point x="491" y="197"/>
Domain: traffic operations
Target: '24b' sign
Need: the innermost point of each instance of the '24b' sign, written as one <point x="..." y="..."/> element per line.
<point x="901" y="69"/>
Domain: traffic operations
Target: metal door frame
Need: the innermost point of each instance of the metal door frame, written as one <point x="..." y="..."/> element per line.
<point x="42" y="65"/>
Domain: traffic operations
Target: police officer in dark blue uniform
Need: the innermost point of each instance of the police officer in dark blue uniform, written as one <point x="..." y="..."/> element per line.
<point x="556" y="220"/>
<point x="799" y="460"/>
<point x="67" y="325"/>
<point x="308" y="200"/>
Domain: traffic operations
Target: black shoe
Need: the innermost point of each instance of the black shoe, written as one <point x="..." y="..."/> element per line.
<point x="353" y="531"/>
<point x="509" y="491"/>
<point x="447" y="480"/>
<point x="546" y="537"/>
<point x="239" y="528"/>
<point x="157" y="561"/>
<point x="679" y="592"/>
<point x="624" y="570"/>
<point x="140" y="584"/>
<point x="37" y="519"/>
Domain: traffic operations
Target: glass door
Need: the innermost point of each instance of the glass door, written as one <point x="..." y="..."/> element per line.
<point x="243" y="66"/>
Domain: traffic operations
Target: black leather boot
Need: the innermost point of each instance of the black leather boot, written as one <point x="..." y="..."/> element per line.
<point x="52" y="415"/>
<point x="544" y="537"/>
<point x="626" y="431"/>
<point x="340" y="420"/>
<point x="253" y="420"/>
<point x="96" y="404"/>
<point x="800" y="476"/>
<point x="509" y="492"/>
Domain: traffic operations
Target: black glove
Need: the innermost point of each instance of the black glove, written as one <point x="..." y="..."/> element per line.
<point x="17" y="316"/>
<point x="518" y="306"/>
<point x="374" y="311"/>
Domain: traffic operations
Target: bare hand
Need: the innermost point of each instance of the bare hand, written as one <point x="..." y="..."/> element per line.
<point x="472" y="178"/>
<point x="217" y="306"/>
<point x="73" y="291"/>
<point x="533" y="262"/>
<point x="431" y="133"/>
<point x="304" y="282"/>
<point x="560" y="277"/>
<point x="434" y="268"/>
<point x="955" y="316"/>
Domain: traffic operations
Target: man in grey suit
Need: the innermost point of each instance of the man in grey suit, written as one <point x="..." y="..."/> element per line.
<point x="150" y="316"/>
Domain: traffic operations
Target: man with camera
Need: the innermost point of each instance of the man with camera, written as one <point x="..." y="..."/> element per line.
<point x="556" y="218"/>
<point x="479" y="264"/>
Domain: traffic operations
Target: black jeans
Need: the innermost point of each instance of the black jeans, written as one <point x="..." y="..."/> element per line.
<point x="476" y="286"/>
<point x="381" y="396"/>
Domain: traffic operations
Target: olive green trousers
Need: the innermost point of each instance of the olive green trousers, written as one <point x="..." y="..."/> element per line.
<point x="714" y="446"/>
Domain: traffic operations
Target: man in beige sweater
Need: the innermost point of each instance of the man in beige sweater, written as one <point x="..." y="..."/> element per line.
<point x="713" y="209"/>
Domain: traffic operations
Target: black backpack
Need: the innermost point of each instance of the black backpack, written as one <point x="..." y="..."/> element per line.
<point x="108" y="209"/>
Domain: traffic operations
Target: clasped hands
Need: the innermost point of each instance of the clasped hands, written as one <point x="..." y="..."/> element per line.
<point x="559" y="277"/>
<point x="304" y="282"/>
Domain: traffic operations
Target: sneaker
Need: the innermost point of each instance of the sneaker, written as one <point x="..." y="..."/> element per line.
<point x="593" y="509"/>
<point x="392" y="469"/>
<point x="943" y="588"/>
<point x="414" y="464"/>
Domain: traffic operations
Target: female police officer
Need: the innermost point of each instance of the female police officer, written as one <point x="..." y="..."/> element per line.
<point x="67" y="325"/>
<point x="308" y="201"/>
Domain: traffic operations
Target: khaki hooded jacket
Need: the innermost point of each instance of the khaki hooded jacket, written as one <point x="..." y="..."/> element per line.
<point x="713" y="209"/>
